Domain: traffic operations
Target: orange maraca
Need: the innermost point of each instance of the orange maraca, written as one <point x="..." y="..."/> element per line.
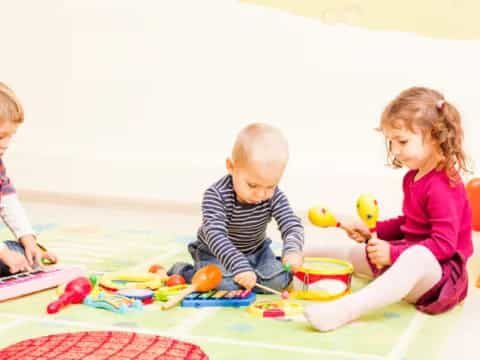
<point x="205" y="279"/>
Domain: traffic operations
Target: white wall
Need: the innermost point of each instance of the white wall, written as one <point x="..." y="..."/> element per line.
<point x="142" y="99"/>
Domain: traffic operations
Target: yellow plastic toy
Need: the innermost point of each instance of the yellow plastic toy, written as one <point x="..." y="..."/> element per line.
<point x="118" y="280"/>
<point x="367" y="209"/>
<point x="323" y="217"/>
<point x="163" y="293"/>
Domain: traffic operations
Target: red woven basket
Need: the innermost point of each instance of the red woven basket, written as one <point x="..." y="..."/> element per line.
<point x="96" y="345"/>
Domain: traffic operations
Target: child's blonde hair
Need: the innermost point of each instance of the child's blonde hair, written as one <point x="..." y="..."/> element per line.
<point x="10" y="108"/>
<point x="426" y="109"/>
<point x="261" y="143"/>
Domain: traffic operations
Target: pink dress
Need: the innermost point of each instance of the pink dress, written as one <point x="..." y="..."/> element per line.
<point x="438" y="216"/>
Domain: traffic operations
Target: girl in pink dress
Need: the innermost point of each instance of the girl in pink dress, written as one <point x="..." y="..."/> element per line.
<point x="421" y="255"/>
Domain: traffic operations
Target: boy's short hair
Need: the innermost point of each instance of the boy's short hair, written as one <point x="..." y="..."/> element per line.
<point x="10" y="108"/>
<point x="260" y="142"/>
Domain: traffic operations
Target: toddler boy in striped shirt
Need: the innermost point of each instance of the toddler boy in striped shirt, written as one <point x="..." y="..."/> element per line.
<point x="236" y="210"/>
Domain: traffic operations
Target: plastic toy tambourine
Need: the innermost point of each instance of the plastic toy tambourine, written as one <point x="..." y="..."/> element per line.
<point x="275" y="309"/>
<point x="144" y="295"/>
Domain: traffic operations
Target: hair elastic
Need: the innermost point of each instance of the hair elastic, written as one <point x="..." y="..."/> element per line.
<point x="440" y="105"/>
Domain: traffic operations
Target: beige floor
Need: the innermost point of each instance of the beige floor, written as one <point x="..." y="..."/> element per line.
<point x="463" y="343"/>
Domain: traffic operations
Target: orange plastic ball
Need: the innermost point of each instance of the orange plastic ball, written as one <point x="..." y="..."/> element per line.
<point x="155" y="268"/>
<point x="175" y="280"/>
<point x="473" y="191"/>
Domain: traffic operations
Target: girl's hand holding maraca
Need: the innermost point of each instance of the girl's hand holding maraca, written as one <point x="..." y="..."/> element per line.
<point x="379" y="252"/>
<point x="359" y="232"/>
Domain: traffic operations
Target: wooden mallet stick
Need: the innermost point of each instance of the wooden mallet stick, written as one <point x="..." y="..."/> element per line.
<point x="283" y="295"/>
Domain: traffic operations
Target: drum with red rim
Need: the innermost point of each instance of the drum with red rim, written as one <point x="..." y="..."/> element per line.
<point x="322" y="279"/>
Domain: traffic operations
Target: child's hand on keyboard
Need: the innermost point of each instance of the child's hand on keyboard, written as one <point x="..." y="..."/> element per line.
<point x="34" y="253"/>
<point x="15" y="261"/>
<point x="50" y="257"/>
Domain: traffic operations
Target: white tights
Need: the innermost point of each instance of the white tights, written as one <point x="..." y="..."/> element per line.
<point x="414" y="273"/>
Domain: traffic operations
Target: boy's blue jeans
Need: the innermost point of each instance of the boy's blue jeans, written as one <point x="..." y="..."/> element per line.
<point x="14" y="246"/>
<point x="265" y="264"/>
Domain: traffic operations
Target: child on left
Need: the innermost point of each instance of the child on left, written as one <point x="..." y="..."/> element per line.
<point x="23" y="253"/>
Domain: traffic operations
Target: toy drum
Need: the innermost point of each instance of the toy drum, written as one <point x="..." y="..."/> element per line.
<point x="322" y="279"/>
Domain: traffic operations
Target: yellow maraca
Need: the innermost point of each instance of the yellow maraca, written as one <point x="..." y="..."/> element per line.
<point x="323" y="217"/>
<point x="367" y="209"/>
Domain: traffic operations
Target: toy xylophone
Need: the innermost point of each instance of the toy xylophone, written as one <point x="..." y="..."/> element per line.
<point x="223" y="298"/>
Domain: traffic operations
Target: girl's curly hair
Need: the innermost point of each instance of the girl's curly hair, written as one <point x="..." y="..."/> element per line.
<point x="426" y="109"/>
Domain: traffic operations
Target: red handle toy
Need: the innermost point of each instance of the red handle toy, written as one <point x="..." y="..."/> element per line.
<point x="75" y="292"/>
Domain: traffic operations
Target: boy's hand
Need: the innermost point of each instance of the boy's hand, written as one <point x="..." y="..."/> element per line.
<point x="14" y="260"/>
<point x="359" y="232"/>
<point x="295" y="260"/>
<point x="379" y="252"/>
<point x="247" y="279"/>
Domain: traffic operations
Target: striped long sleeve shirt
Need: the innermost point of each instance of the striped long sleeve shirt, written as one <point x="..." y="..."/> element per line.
<point x="232" y="230"/>
<point x="11" y="210"/>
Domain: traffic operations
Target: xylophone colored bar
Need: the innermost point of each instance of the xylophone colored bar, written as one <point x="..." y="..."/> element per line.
<point x="219" y="298"/>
